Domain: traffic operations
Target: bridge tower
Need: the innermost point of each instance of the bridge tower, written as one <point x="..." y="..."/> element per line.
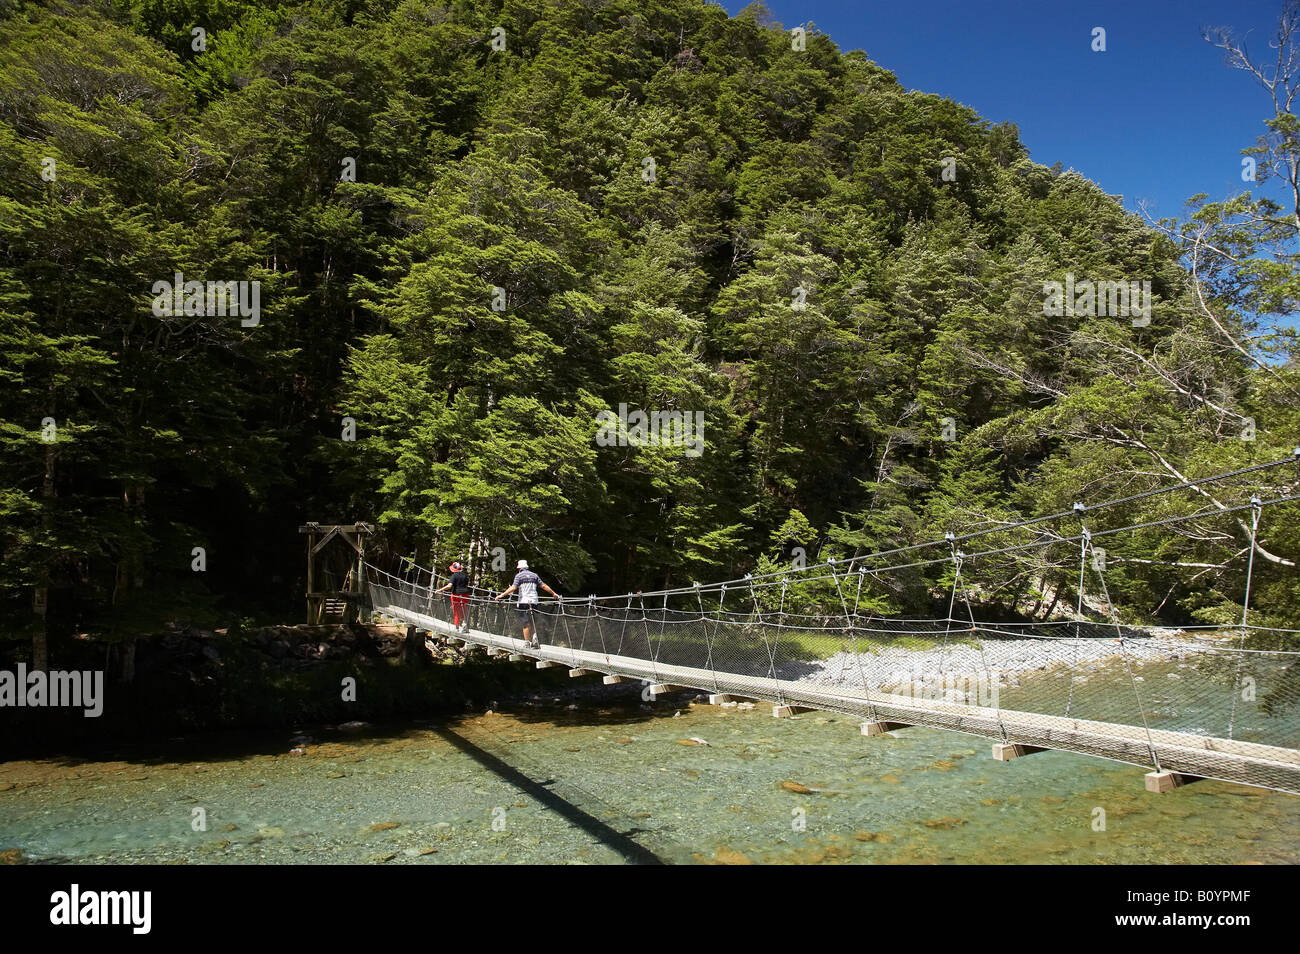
<point x="342" y="602"/>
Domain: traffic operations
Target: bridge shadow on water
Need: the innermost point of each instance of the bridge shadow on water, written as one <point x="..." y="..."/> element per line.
<point x="566" y="801"/>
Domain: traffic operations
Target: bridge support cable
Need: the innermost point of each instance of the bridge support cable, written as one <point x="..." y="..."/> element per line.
<point x="946" y="648"/>
<point x="986" y="672"/>
<point x="658" y="647"/>
<point x="756" y="617"/>
<point x="622" y="630"/>
<point x="857" y="598"/>
<point x="1033" y="521"/>
<point x="762" y="632"/>
<point x="1085" y="538"/>
<point x="1256" y="511"/>
<point x="568" y="636"/>
<point x="600" y="629"/>
<point x="586" y="623"/>
<point x="709" y="640"/>
<point x="1100" y="566"/>
<point x="862" y="674"/>
<point x="848" y="620"/>
<point x="851" y="629"/>
<point x="645" y="620"/>
<point x="774" y="643"/>
<point x="994" y="678"/>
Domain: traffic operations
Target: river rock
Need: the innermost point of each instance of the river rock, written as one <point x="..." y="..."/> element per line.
<point x="946" y="823"/>
<point x="729" y="856"/>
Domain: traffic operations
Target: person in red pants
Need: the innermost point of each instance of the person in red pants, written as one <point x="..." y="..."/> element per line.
<point x="459" y="586"/>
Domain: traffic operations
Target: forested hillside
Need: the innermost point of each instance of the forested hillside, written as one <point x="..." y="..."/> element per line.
<point x="478" y="224"/>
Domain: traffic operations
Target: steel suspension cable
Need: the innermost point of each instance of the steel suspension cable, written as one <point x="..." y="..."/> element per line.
<point x="1123" y="649"/>
<point x="1030" y="521"/>
<point x="988" y="673"/>
<point x="1085" y="539"/>
<point x="1256" y="512"/>
<point x="708" y="642"/>
<point x="645" y="619"/>
<point x="1056" y="541"/>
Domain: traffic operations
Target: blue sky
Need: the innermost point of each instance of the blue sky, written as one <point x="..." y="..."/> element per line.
<point x="1158" y="116"/>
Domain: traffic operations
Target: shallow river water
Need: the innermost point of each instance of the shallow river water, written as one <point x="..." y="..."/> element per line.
<point x="612" y="779"/>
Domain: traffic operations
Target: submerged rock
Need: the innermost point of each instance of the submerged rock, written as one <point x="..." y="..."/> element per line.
<point x="946" y="823"/>
<point x="726" y="856"/>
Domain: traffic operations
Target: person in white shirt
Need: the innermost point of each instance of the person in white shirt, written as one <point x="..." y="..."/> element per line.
<point x="527" y="583"/>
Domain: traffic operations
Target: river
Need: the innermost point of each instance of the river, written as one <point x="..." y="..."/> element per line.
<point x="604" y="778"/>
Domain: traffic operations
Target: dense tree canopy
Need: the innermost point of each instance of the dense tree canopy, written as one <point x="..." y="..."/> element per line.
<point x="477" y="224"/>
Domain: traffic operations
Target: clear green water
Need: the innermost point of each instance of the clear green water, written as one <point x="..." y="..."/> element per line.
<point x="609" y="783"/>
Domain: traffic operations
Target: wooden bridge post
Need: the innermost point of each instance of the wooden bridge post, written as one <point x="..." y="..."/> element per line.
<point x="314" y="602"/>
<point x="353" y="534"/>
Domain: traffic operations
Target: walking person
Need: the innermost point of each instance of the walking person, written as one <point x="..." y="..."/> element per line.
<point x="459" y="586"/>
<point x="527" y="582"/>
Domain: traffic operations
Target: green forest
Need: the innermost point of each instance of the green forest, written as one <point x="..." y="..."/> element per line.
<point x="476" y="225"/>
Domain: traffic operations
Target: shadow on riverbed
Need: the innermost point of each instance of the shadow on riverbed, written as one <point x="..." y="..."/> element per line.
<point x="544" y="793"/>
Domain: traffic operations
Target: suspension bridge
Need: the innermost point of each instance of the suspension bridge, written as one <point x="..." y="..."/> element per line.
<point x="1215" y="701"/>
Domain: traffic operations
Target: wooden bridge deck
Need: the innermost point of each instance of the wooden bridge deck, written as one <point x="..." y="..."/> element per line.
<point x="1181" y="753"/>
